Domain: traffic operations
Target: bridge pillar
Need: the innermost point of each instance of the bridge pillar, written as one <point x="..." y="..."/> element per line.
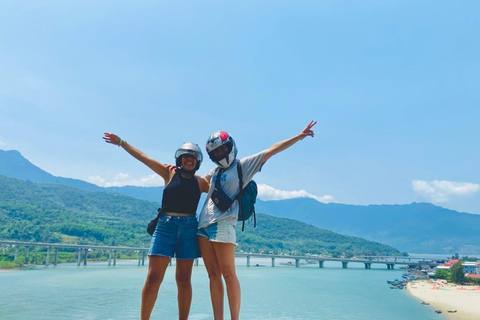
<point x="85" y="256"/>
<point x="344" y="264"/>
<point x="47" y="260"/>
<point x="390" y="266"/>
<point x="139" y="258"/>
<point x="27" y="251"/>
<point x="297" y="263"/>
<point x="55" y="259"/>
<point x="273" y="262"/>
<point x="248" y="261"/>
<point x="109" y="258"/>
<point x="114" y="257"/>
<point x="368" y="265"/>
<point x="320" y="263"/>
<point x="17" y="251"/>
<point x="196" y="262"/>
<point x="143" y="258"/>
<point x="79" y="258"/>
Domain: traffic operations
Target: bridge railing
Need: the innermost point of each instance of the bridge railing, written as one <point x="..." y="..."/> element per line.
<point x="82" y="253"/>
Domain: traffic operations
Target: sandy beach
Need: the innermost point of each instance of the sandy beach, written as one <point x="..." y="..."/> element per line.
<point x="446" y="297"/>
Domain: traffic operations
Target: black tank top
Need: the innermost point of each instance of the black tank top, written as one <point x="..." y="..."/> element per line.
<point x="181" y="195"/>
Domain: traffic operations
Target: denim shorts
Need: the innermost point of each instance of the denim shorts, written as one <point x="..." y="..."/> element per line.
<point x="220" y="231"/>
<point x="175" y="237"/>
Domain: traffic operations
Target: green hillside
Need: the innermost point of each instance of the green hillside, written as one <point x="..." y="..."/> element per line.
<point x="54" y="213"/>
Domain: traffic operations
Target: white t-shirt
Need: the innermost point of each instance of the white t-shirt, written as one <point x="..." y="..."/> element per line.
<point x="229" y="183"/>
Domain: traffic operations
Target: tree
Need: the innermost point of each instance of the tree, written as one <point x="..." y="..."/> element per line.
<point x="458" y="275"/>
<point x="443" y="274"/>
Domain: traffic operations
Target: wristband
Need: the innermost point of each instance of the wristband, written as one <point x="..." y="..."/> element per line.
<point x="120" y="143"/>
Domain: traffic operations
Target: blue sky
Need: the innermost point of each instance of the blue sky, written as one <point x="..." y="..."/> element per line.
<point x="394" y="86"/>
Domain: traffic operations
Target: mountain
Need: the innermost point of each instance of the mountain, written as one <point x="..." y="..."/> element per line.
<point x="415" y="227"/>
<point x="14" y="165"/>
<point x="55" y="213"/>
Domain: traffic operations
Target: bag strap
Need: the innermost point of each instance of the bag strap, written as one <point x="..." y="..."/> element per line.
<point x="240" y="179"/>
<point x="217" y="180"/>
<point x="160" y="212"/>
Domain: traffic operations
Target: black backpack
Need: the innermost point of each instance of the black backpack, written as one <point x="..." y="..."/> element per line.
<point x="246" y="199"/>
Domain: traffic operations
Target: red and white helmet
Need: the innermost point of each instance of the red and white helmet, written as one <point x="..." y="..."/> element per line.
<point x="218" y="139"/>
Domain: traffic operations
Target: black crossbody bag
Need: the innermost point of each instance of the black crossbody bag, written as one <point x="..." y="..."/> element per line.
<point x="152" y="225"/>
<point x="219" y="197"/>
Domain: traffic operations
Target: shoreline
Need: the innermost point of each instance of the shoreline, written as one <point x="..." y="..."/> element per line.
<point x="444" y="296"/>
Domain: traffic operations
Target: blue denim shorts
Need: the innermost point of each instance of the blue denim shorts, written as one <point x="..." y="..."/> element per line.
<point x="220" y="231"/>
<point x="175" y="237"/>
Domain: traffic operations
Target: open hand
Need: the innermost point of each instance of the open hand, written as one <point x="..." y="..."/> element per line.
<point x="112" y="138"/>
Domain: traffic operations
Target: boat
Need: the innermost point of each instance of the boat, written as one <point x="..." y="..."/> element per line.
<point x="451" y="311"/>
<point x="438" y="311"/>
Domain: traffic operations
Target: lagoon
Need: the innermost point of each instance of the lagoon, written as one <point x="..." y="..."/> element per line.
<point x="280" y="293"/>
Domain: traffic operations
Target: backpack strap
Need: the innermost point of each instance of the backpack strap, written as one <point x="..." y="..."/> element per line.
<point x="240" y="181"/>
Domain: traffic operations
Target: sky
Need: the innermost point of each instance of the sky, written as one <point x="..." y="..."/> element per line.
<point x="393" y="85"/>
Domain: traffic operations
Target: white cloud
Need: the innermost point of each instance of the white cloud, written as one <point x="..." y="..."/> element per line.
<point x="266" y="192"/>
<point x="123" y="179"/>
<point x="439" y="191"/>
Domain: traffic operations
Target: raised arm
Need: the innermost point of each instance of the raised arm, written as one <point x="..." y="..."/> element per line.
<point x="285" y="144"/>
<point x="159" y="168"/>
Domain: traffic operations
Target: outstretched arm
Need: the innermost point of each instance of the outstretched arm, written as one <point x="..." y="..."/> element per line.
<point x="159" y="168"/>
<point x="282" y="145"/>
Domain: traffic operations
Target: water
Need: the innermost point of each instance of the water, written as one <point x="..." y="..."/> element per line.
<point x="280" y="293"/>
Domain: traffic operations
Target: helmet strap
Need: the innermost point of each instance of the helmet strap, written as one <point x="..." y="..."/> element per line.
<point x="187" y="173"/>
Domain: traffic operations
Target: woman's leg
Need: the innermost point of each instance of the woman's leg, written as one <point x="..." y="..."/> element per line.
<point x="215" y="276"/>
<point x="156" y="271"/>
<point x="225" y="253"/>
<point x="183" y="275"/>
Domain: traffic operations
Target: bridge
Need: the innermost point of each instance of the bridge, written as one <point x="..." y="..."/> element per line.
<point x="389" y="261"/>
<point x="82" y="251"/>
<point x="82" y="254"/>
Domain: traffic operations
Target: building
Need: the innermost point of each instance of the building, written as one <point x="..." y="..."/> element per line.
<point x="470" y="267"/>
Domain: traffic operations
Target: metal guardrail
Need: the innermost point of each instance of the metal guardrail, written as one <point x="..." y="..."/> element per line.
<point x="389" y="261"/>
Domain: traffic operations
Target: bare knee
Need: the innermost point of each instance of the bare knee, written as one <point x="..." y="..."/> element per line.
<point x="154" y="279"/>
<point x="229" y="276"/>
<point x="183" y="279"/>
<point x="214" y="274"/>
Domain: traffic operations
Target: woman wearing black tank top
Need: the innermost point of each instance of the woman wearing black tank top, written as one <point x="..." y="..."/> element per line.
<point x="176" y="230"/>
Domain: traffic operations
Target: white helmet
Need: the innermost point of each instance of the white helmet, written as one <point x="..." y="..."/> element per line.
<point x="218" y="139"/>
<point x="189" y="148"/>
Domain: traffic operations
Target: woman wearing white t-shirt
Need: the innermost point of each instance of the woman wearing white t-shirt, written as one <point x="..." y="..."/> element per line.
<point x="216" y="233"/>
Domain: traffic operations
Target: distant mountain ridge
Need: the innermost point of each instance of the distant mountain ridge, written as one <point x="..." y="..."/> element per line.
<point x="54" y="213"/>
<point x="14" y="165"/>
<point x="416" y="227"/>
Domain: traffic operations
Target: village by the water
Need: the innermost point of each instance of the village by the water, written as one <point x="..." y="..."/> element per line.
<point x="452" y="287"/>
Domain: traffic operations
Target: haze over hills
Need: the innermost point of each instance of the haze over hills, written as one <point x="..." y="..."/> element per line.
<point x="14" y="165"/>
<point x="54" y="213"/>
<point x="416" y="227"/>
